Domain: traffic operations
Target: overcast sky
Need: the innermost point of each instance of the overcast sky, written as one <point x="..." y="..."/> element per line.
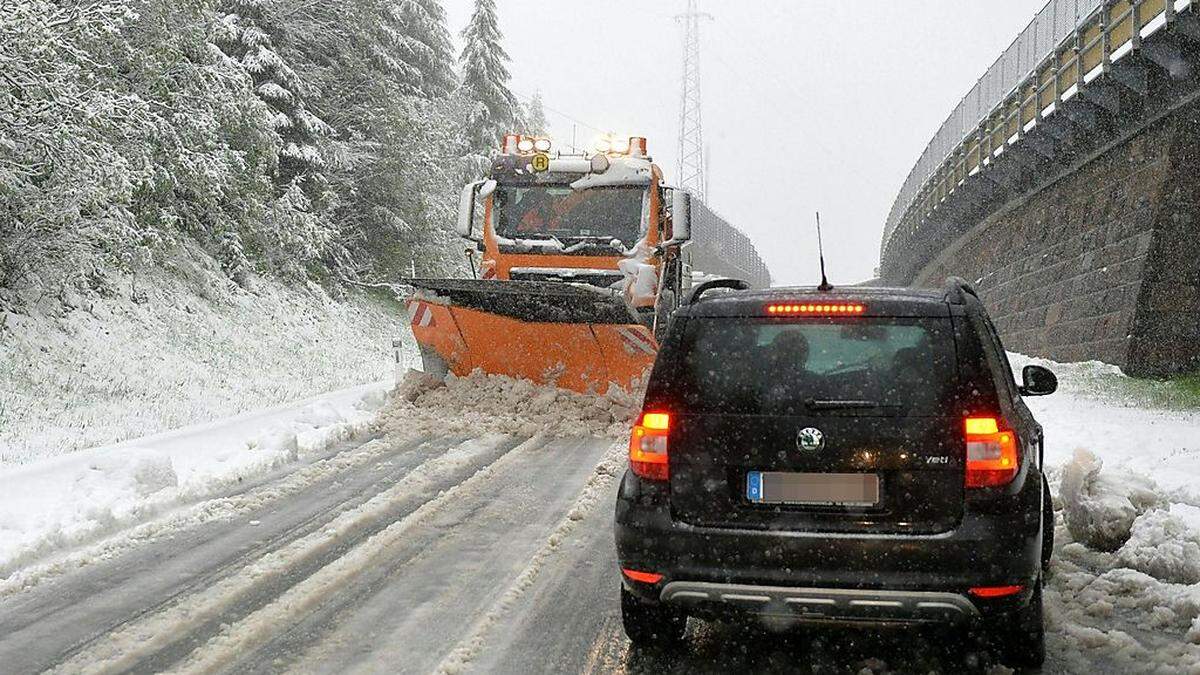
<point x="807" y="105"/>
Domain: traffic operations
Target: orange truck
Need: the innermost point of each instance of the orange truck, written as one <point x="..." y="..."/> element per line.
<point x="581" y="259"/>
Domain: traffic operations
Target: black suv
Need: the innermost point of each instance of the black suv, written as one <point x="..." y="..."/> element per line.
<point x="854" y="455"/>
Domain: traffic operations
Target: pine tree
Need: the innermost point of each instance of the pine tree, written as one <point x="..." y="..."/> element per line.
<point x="535" y="116"/>
<point x="247" y="34"/>
<point x="426" y="46"/>
<point x="380" y="73"/>
<point x="492" y="108"/>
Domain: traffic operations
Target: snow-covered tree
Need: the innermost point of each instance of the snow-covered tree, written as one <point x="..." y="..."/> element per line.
<point x="535" y="116"/>
<point x="247" y="33"/>
<point x="491" y="107"/>
<point x="417" y="38"/>
<point x="133" y="128"/>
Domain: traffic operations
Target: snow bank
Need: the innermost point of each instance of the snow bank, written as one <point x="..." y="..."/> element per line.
<point x="1123" y="457"/>
<point x="69" y="500"/>
<point x="1100" y="509"/>
<point x="481" y="403"/>
<point x="194" y="348"/>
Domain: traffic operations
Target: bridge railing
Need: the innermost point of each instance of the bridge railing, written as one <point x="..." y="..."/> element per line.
<point x="1067" y="44"/>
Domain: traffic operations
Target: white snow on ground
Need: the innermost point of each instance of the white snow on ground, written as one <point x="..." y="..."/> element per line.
<point x="121" y="649"/>
<point x="71" y="499"/>
<point x="1100" y="508"/>
<point x="85" y="371"/>
<point x="1124" y="591"/>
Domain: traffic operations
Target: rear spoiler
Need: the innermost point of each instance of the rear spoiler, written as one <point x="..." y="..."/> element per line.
<point x="957" y="290"/>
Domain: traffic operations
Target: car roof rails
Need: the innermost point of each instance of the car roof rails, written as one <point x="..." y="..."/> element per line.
<point x="732" y="284"/>
<point x="957" y="290"/>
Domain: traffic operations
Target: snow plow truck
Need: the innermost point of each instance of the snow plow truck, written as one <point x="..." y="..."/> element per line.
<point x="578" y="261"/>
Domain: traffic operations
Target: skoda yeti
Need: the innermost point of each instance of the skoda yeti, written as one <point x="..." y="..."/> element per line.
<point x="846" y="456"/>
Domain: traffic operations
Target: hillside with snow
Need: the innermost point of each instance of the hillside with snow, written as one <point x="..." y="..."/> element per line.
<point x="179" y="347"/>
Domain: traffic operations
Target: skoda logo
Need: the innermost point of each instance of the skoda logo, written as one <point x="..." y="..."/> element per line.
<point x="810" y="439"/>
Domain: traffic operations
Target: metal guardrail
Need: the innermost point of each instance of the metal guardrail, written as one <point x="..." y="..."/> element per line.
<point x="1067" y="44"/>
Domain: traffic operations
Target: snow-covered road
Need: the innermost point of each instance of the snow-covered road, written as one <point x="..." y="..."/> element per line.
<point x="472" y="532"/>
<point x="489" y="554"/>
<point x="398" y="556"/>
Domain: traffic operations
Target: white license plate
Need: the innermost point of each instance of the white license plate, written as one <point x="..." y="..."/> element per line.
<point x="820" y="489"/>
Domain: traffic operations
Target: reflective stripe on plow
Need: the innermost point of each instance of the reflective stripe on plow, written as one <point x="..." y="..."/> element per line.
<point x="420" y="313"/>
<point x="635" y="342"/>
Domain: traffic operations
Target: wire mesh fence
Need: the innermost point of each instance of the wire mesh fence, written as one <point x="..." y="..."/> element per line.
<point x="1056" y="22"/>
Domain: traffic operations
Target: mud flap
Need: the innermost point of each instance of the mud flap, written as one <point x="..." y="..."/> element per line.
<point x="547" y="332"/>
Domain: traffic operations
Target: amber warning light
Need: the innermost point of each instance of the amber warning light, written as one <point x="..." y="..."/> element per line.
<point x="816" y="309"/>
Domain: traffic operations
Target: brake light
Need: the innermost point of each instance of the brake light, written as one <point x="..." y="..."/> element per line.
<point x="816" y="309"/>
<point x="991" y="453"/>
<point x="644" y="577"/>
<point x="995" y="591"/>
<point x="648" y="446"/>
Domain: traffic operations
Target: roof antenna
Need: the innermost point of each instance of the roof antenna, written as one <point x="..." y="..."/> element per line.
<point x="825" y="285"/>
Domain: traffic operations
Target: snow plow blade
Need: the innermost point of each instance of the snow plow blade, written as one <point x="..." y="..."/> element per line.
<point x="572" y="336"/>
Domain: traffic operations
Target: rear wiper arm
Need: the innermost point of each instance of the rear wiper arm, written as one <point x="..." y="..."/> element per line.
<point x="836" y="404"/>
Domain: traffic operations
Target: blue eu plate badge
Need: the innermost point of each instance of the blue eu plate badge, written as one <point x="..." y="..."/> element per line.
<point x="754" y="486"/>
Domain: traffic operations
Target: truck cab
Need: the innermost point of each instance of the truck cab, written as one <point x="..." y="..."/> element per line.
<point x="604" y="220"/>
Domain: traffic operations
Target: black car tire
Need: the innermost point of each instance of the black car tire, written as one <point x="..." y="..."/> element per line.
<point x="650" y="624"/>
<point x="1047" y="526"/>
<point x="1019" y="638"/>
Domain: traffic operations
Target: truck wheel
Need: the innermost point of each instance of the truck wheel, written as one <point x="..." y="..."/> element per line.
<point x="1019" y="638"/>
<point x="651" y="624"/>
<point x="1047" y="526"/>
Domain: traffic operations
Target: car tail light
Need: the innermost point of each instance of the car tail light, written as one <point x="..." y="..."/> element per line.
<point x="648" y="445"/>
<point x="995" y="591"/>
<point x="815" y="308"/>
<point x="991" y="453"/>
<point x="644" y="577"/>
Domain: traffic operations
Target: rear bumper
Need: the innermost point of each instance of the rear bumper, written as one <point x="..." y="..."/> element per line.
<point x="820" y="604"/>
<point x="1000" y="546"/>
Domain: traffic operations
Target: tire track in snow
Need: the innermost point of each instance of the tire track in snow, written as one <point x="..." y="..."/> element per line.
<point x="172" y="544"/>
<point x="426" y="591"/>
<point x="256" y="629"/>
<point x="187" y="562"/>
<point x="570" y="617"/>
<point x="225" y="505"/>
<point x="158" y="640"/>
<point x="465" y="652"/>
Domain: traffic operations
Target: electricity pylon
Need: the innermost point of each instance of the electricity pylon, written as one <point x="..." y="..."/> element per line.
<point x="692" y="172"/>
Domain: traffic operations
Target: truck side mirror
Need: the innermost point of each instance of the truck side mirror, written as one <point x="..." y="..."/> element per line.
<point x="466" y="209"/>
<point x="681" y="215"/>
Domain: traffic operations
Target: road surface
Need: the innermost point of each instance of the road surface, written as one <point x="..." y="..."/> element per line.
<point x="491" y="554"/>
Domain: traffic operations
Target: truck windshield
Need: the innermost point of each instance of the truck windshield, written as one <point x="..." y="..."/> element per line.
<point x="607" y="213"/>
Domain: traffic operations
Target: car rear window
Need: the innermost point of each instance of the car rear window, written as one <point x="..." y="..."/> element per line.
<point x="844" y="366"/>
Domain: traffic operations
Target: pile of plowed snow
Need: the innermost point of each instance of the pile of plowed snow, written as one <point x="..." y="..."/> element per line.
<point x="1122" y="459"/>
<point x="481" y="403"/>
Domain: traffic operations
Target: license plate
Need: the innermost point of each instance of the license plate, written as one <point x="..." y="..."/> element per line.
<point x="821" y="489"/>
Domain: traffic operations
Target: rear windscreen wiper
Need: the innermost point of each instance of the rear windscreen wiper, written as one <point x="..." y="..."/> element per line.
<point x="836" y="404"/>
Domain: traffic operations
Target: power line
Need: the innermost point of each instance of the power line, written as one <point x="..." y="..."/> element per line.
<point x="560" y="113"/>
